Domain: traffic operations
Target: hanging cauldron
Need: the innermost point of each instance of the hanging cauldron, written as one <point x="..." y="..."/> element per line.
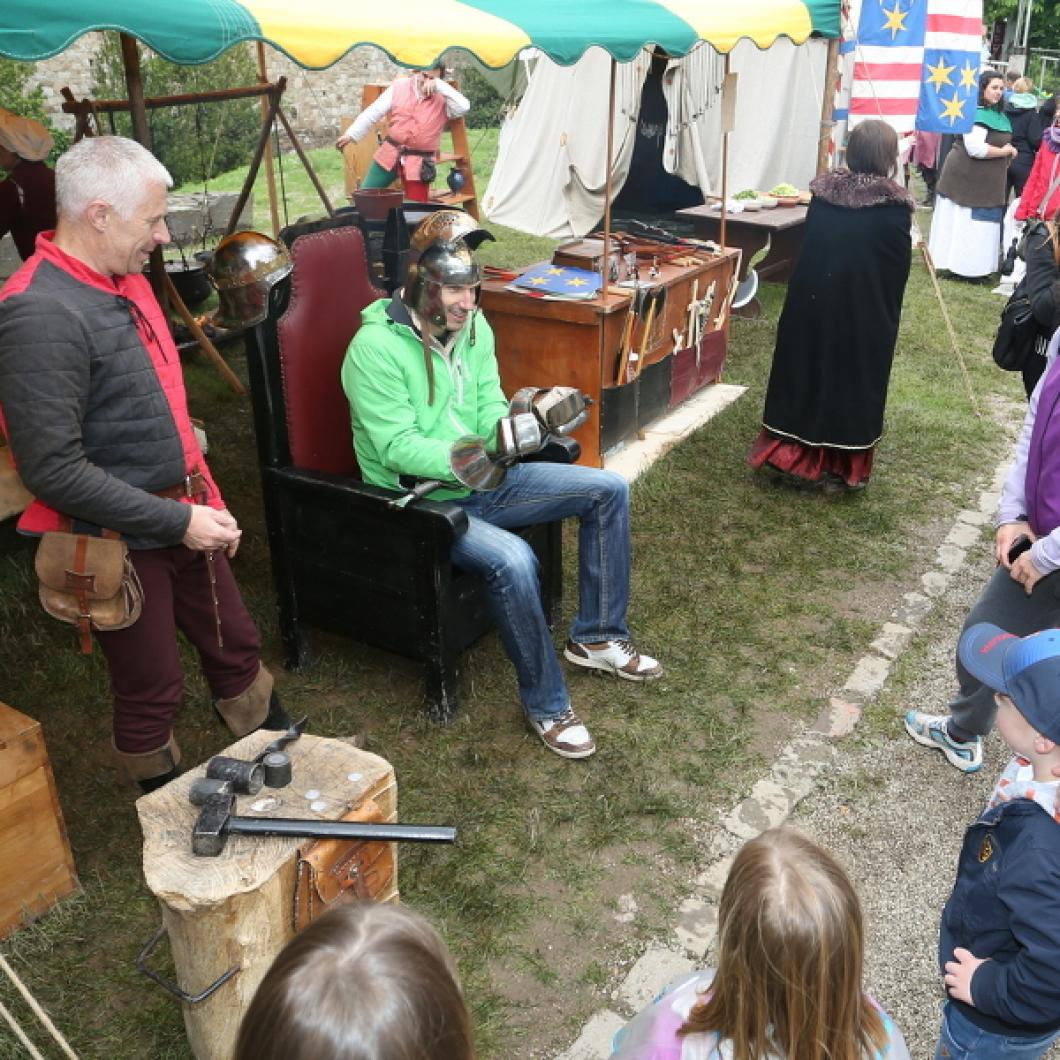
<point x="190" y="280"/>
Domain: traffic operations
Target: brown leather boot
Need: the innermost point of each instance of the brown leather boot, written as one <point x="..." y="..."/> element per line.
<point x="253" y="707"/>
<point x="150" y="769"/>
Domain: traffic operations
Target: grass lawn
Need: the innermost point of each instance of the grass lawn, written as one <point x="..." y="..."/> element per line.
<point x="757" y="599"/>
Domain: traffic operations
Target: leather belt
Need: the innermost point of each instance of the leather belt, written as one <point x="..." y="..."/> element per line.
<point x="191" y="487"/>
<point x="408" y="150"/>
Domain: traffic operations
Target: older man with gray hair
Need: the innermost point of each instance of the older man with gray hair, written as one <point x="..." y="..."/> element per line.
<point x="92" y="396"/>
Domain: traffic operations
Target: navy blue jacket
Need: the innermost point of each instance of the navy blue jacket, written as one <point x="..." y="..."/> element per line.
<point x="1005" y="908"/>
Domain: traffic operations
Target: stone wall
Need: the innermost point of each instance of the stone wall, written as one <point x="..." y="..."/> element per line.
<point x="315" y="102"/>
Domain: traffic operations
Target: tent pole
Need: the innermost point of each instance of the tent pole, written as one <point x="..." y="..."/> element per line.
<point x="270" y="175"/>
<point x="724" y="167"/>
<point x="827" y="105"/>
<point x="605" y="259"/>
<point x="161" y="284"/>
<point x="130" y="54"/>
<point x="134" y="87"/>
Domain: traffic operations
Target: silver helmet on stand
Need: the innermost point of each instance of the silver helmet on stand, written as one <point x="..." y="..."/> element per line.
<point x="244" y="268"/>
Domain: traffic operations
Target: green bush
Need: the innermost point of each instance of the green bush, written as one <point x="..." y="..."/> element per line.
<point x="14" y="97"/>
<point x="197" y="140"/>
<point x="487" y="104"/>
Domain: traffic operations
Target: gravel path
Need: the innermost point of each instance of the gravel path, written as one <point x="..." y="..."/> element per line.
<point x="895" y="814"/>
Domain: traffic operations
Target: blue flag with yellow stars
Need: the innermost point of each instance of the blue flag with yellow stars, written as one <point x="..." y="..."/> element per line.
<point x="559" y="281"/>
<point x="916" y="64"/>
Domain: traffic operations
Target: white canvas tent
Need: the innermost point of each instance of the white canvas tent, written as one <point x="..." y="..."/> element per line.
<point x="550" y="173"/>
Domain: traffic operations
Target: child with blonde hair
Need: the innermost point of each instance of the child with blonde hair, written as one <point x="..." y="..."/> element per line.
<point x="788" y="981"/>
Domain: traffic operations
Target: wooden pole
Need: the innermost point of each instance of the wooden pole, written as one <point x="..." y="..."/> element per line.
<point x="200" y="336"/>
<point x="270" y="173"/>
<point x="130" y="54"/>
<point x="949" y="327"/>
<point x="304" y="159"/>
<point x="605" y="263"/>
<point x="827" y="105"/>
<point x="724" y="167"/>
<point x="259" y="150"/>
<point x="216" y="95"/>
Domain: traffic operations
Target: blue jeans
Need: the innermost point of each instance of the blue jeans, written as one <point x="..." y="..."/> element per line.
<point x="539" y="493"/>
<point x="960" y="1039"/>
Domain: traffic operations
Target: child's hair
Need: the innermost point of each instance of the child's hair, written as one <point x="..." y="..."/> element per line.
<point x="367" y="981"/>
<point x="790" y="943"/>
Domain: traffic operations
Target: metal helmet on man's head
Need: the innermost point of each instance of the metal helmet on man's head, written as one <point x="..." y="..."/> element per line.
<point x="444" y="263"/>
<point x="244" y="268"/>
<point x="441" y="254"/>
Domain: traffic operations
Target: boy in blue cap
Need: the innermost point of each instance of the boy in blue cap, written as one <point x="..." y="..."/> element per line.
<point x="999" y="944"/>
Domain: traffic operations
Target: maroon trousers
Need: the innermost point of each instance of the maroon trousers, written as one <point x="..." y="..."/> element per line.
<point x="144" y="660"/>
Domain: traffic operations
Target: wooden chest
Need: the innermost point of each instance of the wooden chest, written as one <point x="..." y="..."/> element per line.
<point x="542" y="342"/>
<point x="36" y="866"/>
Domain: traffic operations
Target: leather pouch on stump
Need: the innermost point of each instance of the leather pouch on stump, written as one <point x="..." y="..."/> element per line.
<point x="89" y="582"/>
<point x="336" y="870"/>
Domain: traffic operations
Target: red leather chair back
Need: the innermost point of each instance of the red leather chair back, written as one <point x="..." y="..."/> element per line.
<point x="330" y="285"/>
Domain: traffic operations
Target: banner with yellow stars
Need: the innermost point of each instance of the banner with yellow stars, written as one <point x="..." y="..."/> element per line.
<point x="916" y="64"/>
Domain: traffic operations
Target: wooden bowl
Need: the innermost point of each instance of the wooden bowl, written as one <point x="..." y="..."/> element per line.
<point x="787" y="200"/>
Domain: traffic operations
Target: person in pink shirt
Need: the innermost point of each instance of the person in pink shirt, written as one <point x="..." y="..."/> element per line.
<point x="419" y="108"/>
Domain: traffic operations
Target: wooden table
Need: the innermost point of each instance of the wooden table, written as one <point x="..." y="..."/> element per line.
<point x="544" y="342"/>
<point x="749" y="231"/>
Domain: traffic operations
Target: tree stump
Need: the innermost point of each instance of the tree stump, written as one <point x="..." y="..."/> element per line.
<point x="236" y="910"/>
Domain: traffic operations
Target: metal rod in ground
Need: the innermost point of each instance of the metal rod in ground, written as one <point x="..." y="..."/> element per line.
<point x="949" y="327"/>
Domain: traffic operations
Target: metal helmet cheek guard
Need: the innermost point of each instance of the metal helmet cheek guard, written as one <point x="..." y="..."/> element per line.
<point x="244" y="268"/>
<point x="444" y="263"/>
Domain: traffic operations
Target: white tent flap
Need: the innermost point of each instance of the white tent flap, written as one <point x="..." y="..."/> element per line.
<point x="549" y="178"/>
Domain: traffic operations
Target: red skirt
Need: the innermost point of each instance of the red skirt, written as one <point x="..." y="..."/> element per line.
<point x="811" y="463"/>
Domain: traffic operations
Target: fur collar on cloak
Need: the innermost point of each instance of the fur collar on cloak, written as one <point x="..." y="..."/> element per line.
<point x="842" y="187"/>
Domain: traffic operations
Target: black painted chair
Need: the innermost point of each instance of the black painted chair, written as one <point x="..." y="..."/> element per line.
<point x="343" y="559"/>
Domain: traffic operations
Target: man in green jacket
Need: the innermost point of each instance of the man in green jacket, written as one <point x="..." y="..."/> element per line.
<point x="420" y="374"/>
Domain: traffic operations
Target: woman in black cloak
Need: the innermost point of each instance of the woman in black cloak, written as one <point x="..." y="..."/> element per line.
<point x="835" y="340"/>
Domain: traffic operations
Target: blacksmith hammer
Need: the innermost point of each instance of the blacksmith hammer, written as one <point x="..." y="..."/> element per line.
<point x="216" y="823"/>
<point x="271" y="768"/>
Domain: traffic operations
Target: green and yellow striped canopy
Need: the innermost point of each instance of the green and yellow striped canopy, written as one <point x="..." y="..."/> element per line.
<point x="317" y="33"/>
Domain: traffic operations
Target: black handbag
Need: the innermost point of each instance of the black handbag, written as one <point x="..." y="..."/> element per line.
<point x="1019" y="335"/>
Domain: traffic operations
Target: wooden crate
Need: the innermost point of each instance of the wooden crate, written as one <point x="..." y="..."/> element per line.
<point x="37" y="868"/>
<point x="236" y="910"/>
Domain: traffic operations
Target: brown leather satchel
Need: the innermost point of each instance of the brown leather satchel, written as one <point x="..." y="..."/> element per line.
<point x="335" y="870"/>
<point x="89" y="582"/>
